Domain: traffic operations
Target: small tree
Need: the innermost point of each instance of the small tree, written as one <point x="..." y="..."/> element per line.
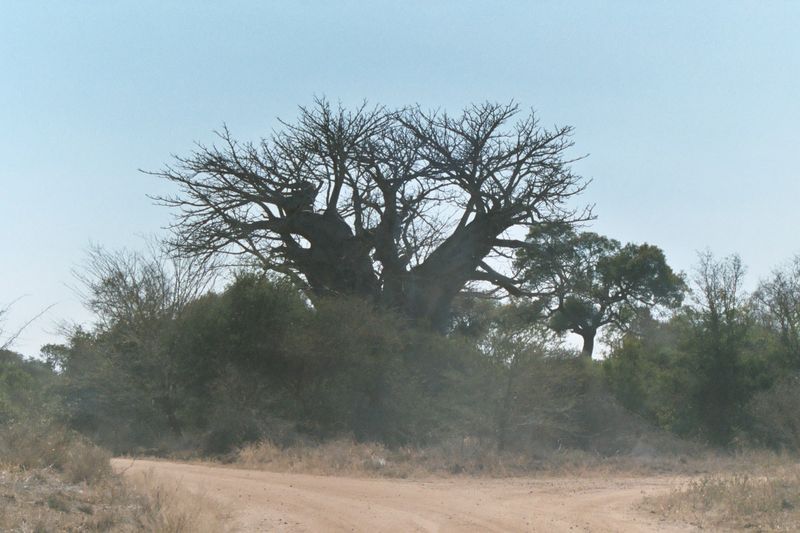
<point x="777" y="302"/>
<point x="721" y="321"/>
<point x="516" y="344"/>
<point x="585" y="281"/>
<point x="136" y="298"/>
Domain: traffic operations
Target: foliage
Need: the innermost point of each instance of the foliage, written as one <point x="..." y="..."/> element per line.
<point x="25" y="388"/>
<point x="775" y="415"/>
<point x="257" y="360"/>
<point x="696" y="373"/>
<point x="584" y="281"/>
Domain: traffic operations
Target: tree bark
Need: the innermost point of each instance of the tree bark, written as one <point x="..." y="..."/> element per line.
<point x="429" y="289"/>
<point x="588" y="343"/>
<point x="337" y="261"/>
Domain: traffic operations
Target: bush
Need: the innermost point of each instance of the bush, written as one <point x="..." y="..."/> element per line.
<point x="25" y="388"/>
<point x="775" y="415"/>
<point x="366" y="372"/>
<point x="168" y="508"/>
<point x="32" y="446"/>
<point x="563" y="401"/>
<point x="769" y="501"/>
<point x="86" y="462"/>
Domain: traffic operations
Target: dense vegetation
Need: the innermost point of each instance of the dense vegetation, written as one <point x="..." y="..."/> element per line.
<point x="723" y="368"/>
<point x="255" y="359"/>
<point x="357" y="307"/>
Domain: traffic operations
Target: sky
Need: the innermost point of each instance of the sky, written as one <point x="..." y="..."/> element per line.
<point x="688" y="112"/>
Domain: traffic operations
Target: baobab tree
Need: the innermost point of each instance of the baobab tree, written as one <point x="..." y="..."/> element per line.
<point x="404" y="207"/>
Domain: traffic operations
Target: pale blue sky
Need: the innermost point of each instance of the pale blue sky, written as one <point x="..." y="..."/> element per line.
<point x="689" y="110"/>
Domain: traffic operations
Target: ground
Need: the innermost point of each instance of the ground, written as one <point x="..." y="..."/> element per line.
<point x="266" y="501"/>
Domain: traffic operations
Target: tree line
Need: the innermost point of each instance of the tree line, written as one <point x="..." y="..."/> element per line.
<point x="257" y="359"/>
<point x="357" y="274"/>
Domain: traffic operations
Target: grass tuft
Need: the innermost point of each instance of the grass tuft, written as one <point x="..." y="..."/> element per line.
<point x="468" y="456"/>
<point x="767" y="501"/>
<point x="54" y="480"/>
<point x="168" y="508"/>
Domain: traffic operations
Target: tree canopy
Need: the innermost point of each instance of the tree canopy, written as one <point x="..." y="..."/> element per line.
<point x="404" y="207"/>
<point x="778" y="302"/>
<point x="585" y="281"/>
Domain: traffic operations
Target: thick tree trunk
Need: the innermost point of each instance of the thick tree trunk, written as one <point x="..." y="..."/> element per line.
<point x="504" y="417"/>
<point x="339" y="262"/>
<point x="429" y="289"/>
<point x="336" y="261"/>
<point x="588" y="344"/>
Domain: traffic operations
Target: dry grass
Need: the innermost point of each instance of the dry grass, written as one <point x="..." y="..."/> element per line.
<point x="472" y="457"/>
<point x="42" y="500"/>
<point x="345" y="457"/>
<point x="54" y="480"/>
<point x="765" y="501"/>
<point x="41" y="446"/>
<point x="86" y="462"/>
<point x="168" y="508"/>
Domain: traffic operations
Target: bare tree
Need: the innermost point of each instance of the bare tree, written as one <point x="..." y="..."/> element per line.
<point x="136" y="297"/>
<point x="7" y="339"/>
<point x="404" y="207"/>
<point x="778" y="302"/>
<point x="135" y="289"/>
<point x="4" y="344"/>
<point x="718" y="293"/>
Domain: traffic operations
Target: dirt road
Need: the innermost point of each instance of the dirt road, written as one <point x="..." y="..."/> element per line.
<point x="266" y="501"/>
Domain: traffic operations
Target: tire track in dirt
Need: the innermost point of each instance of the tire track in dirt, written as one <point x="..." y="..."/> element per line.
<point x="268" y="501"/>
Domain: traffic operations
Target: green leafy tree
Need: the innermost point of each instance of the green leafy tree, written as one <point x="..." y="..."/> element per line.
<point x="25" y="389"/>
<point x="236" y="368"/>
<point x="124" y="367"/>
<point x="695" y="373"/>
<point x="721" y="325"/>
<point x="584" y="281"/>
<point x="652" y="372"/>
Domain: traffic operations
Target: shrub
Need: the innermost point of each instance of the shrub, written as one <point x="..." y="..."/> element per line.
<point x="25" y="388"/>
<point x="32" y="446"/>
<point x="168" y="508"/>
<point x="766" y="502"/>
<point x="775" y="415"/>
<point x="86" y="462"/>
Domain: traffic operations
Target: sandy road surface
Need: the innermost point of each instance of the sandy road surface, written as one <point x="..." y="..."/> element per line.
<point x="267" y="501"/>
